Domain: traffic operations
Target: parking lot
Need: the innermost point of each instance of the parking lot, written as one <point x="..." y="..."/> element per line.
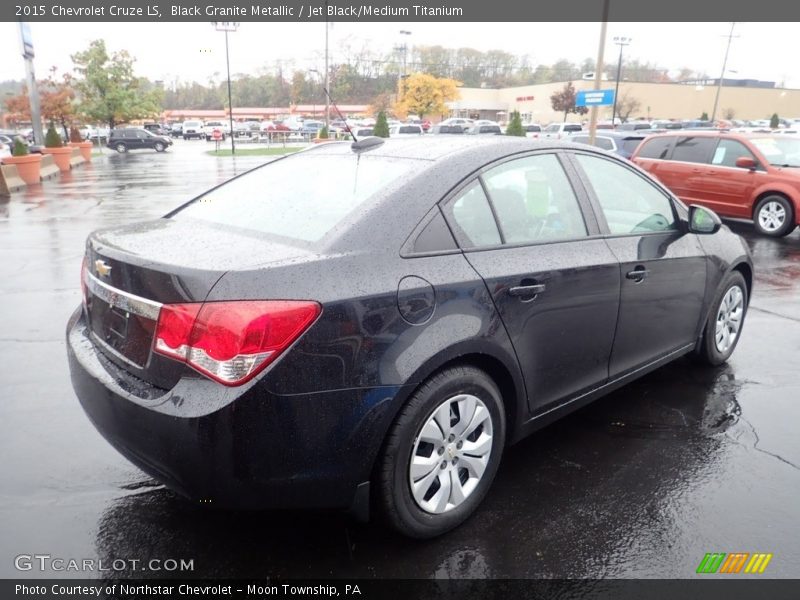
<point x="642" y="483"/>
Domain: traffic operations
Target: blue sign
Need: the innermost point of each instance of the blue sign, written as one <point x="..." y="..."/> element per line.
<point x="594" y="98"/>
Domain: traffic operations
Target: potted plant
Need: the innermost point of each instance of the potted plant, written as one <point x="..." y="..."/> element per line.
<point x="28" y="165"/>
<point x="323" y="135"/>
<point x="54" y="146"/>
<point x="76" y="141"/>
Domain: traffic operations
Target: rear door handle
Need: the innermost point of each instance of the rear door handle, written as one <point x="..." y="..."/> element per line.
<point x="526" y="290"/>
<point x="638" y="274"/>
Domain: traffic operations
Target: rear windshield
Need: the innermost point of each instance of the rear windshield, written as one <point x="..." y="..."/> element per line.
<point x="302" y="197"/>
<point x="629" y="145"/>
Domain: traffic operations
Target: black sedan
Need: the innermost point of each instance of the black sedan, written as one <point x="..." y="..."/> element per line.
<point x="135" y="138"/>
<point x="376" y="335"/>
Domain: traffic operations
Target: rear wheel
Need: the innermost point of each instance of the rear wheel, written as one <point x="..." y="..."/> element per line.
<point x="724" y="325"/>
<point x="442" y="452"/>
<point x="121" y="148"/>
<point x="774" y="216"/>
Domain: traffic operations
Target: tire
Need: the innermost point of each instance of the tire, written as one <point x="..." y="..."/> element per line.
<point x="121" y="148"/>
<point x="774" y="216"/>
<point x="159" y="147"/>
<point x="435" y="507"/>
<point x="721" y="320"/>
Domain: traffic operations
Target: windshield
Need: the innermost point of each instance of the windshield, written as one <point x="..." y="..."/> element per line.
<point x="303" y="197"/>
<point x="780" y="152"/>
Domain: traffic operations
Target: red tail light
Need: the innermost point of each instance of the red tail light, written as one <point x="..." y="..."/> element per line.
<point x="83" y="278"/>
<point x="231" y="342"/>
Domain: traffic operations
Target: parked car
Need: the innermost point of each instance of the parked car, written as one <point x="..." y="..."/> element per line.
<point x="666" y="125"/>
<point x="95" y="134"/>
<point x="223" y="126"/>
<point x="450" y="296"/>
<point x="362" y="132"/>
<point x="192" y="130"/>
<point x="440" y="128"/>
<point x="532" y="130"/>
<point x="135" y="138"/>
<point x="155" y="129"/>
<point x="461" y="122"/>
<point x="176" y="130"/>
<point x="634" y="126"/>
<point x="620" y="142"/>
<point x="405" y="130"/>
<point x="8" y="140"/>
<point x="557" y="131"/>
<point x="485" y="130"/>
<point x="740" y="176"/>
<point x="5" y="150"/>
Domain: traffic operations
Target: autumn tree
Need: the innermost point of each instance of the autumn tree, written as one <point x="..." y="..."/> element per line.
<point x="380" y="104"/>
<point x="108" y="89"/>
<point x="626" y="106"/>
<point x="57" y="99"/>
<point x="563" y="101"/>
<point x="425" y="94"/>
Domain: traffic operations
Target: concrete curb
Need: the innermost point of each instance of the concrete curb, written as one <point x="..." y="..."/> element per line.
<point x="11" y="179"/>
<point x="49" y="167"/>
<point x="76" y="158"/>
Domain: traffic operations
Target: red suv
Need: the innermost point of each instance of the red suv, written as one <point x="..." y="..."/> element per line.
<point x="740" y="176"/>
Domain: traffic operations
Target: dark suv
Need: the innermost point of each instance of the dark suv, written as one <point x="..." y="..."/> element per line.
<point x="131" y="138"/>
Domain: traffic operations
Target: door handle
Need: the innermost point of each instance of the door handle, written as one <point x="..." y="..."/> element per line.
<point x="526" y="290"/>
<point x="638" y="274"/>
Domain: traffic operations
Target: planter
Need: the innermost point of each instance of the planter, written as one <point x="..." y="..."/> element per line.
<point x="323" y="140"/>
<point x="28" y="167"/>
<point x="61" y="156"/>
<point x="86" y="149"/>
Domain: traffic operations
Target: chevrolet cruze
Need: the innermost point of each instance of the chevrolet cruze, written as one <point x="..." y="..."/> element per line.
<point x="371" y="325"/>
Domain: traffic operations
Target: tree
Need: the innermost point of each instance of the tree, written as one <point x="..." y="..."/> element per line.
<point x="108" y="89"/>
<point x="626" y="106"/>
<point x="425" y="94"/>
<point x="381" y="128"/>
<point x="729" y="113"/>
<point x="51" y="138"/>
<point x="564" y="101"/>
<point x="774" y="121"/>
<point x="704" y="116"/>
<point x="381" y="103"/>
<point x="57" y="99"/>
<point x="515" y="125"/>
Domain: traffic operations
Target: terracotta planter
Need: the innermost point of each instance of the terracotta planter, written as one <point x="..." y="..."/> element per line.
<point x="323" y="140"/>
<point x="85" y="147"/>
<point x="28" y="167"/>
<point x="61" y="157"/>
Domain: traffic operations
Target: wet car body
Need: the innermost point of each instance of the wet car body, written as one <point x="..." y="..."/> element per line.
<point x="399" y="302"/>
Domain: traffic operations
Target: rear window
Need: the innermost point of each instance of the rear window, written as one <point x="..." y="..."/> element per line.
<point x="410" y="129"/>
<point x="629" y="145"/>
<point x="282" y="199"/>
<point x="657" y="147"/>
<point x="693" y="149"/>
<point x="573" y="128"/>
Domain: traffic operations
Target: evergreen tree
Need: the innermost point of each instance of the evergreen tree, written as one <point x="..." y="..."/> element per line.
<point x="381" y="128"/>
<point x="515" y="125"/>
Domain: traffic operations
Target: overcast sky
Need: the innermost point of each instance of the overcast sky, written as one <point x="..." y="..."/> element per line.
<point x="194" y="51"/>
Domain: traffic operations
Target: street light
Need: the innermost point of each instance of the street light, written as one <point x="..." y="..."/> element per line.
<point x="404" y="73"/>
<point x="730" y="37"/>
<point x="620" y="41"/>
<point x="226" y="27"/>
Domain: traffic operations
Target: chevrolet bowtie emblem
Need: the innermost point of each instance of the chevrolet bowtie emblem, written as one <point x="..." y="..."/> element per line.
<point x="102" y="268"/>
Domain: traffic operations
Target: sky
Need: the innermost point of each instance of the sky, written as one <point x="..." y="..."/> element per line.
<point x="195" y="51"/>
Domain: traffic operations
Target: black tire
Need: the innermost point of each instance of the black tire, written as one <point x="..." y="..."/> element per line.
<point x="393" y="488"/>
<point x="708" y="351"/>
<point x="159" y="147"/>
<point x="185" y="138"/>
<point x="765" y="204"/>
<point x="121" y="148"/>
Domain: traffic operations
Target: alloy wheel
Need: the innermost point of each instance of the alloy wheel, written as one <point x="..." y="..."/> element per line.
<point x="450" y="454"/>
<point x="729" y="319"/>
<point x="771" y="216"/>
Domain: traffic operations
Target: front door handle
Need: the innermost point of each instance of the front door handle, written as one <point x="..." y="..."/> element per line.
<point x="526" y="290"/>
<point x="638" y="274"/>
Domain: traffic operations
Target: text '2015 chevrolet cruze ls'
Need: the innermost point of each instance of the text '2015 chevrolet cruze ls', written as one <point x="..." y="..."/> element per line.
<point x="372" y="324"/>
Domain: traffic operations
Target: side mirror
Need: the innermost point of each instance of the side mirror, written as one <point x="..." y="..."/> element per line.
<point x="745" y="162"/>
<point x="703" y="220"/>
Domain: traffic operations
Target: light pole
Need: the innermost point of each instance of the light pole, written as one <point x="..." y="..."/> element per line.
<point x="620" y="41"/>
<point x="598" y="70"/>
<point x="722" y="75"/>
<point x="404" y="72"/>
<point x="226" y="27"/>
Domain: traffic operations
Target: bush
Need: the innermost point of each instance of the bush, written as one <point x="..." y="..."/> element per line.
<point x="774" y="121"/>
<point x="515" y="125"/>
<point x="704" y="116"/>
<point x="381" y="128"/>
<point x="75" y="135"/>
<point x="51" y="138"/>
<point x="323" y="133"/>
<point x="20" y="147"/>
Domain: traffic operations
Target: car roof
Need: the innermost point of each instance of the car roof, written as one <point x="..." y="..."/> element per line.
<point x="618" y="135"/>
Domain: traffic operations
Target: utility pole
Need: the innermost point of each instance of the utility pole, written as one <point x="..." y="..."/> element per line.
<point x="620" y="41"/>
<point x="403" y="50"/>
<point x="33" y="92"/>
<point x="722" y="75"/>
<point x="226" y="27"/>
<point x="598" y="71"/>
<point x="327" y="74"/>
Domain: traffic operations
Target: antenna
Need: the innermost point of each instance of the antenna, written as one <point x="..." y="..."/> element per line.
<point x="338" y="112"/>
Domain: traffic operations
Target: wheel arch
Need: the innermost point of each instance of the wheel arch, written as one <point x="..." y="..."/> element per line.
<point x="773" y="190"/>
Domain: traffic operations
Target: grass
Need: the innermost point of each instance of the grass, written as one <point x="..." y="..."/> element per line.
<point x="254" y="151"/>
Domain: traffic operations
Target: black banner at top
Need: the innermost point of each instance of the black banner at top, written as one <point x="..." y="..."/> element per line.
<point x="400" y="10"/>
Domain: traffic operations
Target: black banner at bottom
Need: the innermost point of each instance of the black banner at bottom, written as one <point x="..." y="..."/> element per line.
<point x="403" y="589"/>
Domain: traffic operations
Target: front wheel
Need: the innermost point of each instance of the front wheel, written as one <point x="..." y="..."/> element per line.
<point x="121" y="148"/>
<point x="724" y="325"/>
<point x="442" y="452"/>
<point x="774" y="216"/>
<point x="159" y="147"/>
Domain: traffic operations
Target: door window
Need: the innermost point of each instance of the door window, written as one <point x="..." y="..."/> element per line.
<point x="693" y="149"/>
<point x="534" y="200"/>
<point x="630" y="203"/>
<point x="728" y="151"/>
<point x="656" y="147"/>
<point x="473" y="223"/>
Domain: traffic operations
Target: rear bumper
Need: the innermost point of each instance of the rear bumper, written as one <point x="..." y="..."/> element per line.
<point x="232" y="447"/>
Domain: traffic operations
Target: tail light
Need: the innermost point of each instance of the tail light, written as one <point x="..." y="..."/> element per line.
<point x="231" y="342"/>
<point x="83" y="278"/>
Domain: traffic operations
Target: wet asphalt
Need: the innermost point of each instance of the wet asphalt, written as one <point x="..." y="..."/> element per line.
<point x="642" y="483"/>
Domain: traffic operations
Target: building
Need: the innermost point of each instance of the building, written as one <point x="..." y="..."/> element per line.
<point x="656" y="101"/>
<point x="263" y="112"/>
